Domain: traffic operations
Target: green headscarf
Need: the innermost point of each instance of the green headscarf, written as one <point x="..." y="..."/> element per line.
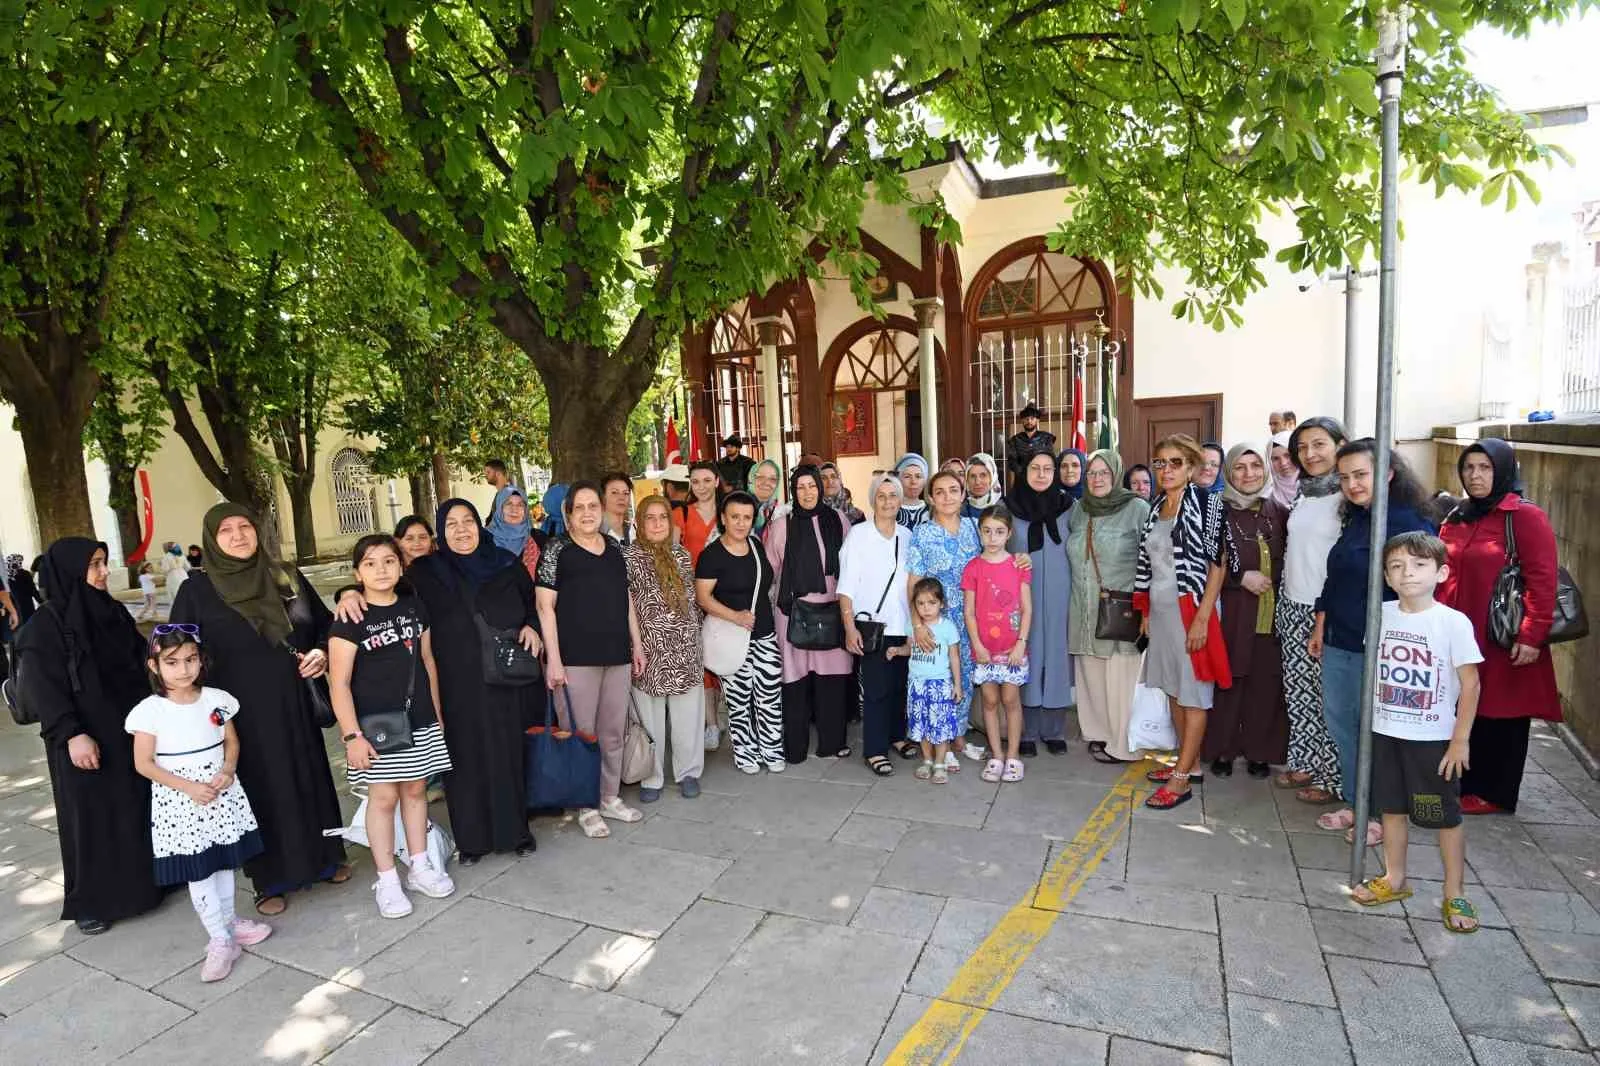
<point x="255" y="587"/>
<point x="1117" y="498"/>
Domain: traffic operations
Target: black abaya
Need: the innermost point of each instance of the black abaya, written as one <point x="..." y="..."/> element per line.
<point x="283" y="764"/>
<point x="1499" y="754"/>
<point x="483" y="724"/>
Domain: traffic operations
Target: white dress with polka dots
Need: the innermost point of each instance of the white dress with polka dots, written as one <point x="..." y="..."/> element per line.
<point x="192" y="841"/>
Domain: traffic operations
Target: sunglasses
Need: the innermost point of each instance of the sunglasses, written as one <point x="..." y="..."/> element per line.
<point x="187" y="628"/>
<point x="1162" y="464"/>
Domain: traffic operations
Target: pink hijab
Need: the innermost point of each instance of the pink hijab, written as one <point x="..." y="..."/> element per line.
<point x="1284" y="489"/>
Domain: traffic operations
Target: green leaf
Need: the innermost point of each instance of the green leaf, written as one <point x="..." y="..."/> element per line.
<point x="1234" y="9"/>
<point x="1189" y="12"/>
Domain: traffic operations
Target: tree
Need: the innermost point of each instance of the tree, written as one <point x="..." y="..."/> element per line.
<point x="123" y="431"/>
<point x="531" y="152"/>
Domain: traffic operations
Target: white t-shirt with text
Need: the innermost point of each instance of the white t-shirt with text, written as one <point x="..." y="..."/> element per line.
<point x="1418" y="656"/>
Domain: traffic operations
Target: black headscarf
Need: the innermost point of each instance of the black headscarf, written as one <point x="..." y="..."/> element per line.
<point x="255" y="587"/>
<point x="1507" y="479"/>
<point x="1040" y="508"/>
<point x="486" y="560"/>
<point x="102" y="628"/>
<point x="805" y="571"/>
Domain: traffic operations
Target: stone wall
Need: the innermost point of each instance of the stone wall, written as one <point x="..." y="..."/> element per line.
<point x="1561" y="473"/>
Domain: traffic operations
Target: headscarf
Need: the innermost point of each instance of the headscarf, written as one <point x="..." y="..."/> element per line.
<point x="1325" y="484"/>
<point x="1221" y="482"/>
<point x="840" y="501"/>
<point x="877" y="482"/>
<point x="510" y="537"/>
<point x="1127" y="481"/>
<point x="765" y="508"/>
<point x="103" y="629"/>
<point x="662" y="557"/>
<point x="1074" y="492"/>
<point x="486" y="560"/>
<point x="804" y="570"/>
<point x="1040" y="508"/>
<point x="1119" y="496"/>
<point x="912" y="459"/>
<point x="1231" y="493"/>
<point x="14" y="566"/>
<point x="172" y="549"/>
<point x="1284" y="489"/>
<point x="909" y="508"/>
<point x="555" y="520"/>
<point x="1507" y="479"/>
<point x="256" y="587"/>
<point x="996" y="486"/>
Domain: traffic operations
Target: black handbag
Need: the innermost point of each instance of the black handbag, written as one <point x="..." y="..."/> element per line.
<point x="815" y="626"/>
<point x="1569" y="620"/>
<point x="505" y="661"/>
<point x="390" y="730"/>
<point x="1115" y="617"/>
<point x="867" y="625"/>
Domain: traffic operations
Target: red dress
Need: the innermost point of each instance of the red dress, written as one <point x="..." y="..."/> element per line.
<point x="1477" y="553"/>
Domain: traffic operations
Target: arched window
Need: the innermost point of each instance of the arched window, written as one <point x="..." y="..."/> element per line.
<point x="734" y="390"/>
<point x="352" y="493"/>
<point x="867" y="358"/>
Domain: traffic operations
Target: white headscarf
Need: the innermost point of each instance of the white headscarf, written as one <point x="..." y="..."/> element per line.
<point x="996" y="486"/>
<point x="1284" y="489"/>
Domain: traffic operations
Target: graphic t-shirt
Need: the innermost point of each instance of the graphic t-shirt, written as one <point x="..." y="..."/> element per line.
<point x="388" y="639"/>
<point x="997" y="600"/>
<point x="934" y="665"/>
<point x="1418" y="655"/>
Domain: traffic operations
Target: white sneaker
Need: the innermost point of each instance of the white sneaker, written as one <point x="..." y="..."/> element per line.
<point x="713" y="738"/>
<point x="777" y="766"/>
<point x="618" y="811"/>
<point x="973" y="752"/>
<point x="435" y="884"/>
<point x="392" y="902"/>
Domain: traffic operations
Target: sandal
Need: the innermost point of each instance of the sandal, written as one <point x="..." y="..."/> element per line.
<point x="1163" y="774"/>
<point x="1458" y="909"/>
<point x="992" y="770"/>
<point x="593" y="825"/>
<point x="1097" y="752"/>
<point x="925" y="771"/>
<point x="940" y="775"/>
<point x="1334" y="821"/>
<point x="842" y="753"/>
<point x="1013" y="770"/>
<point x="1164" y="799"/>
<point x="1316" y="796"/>
<point x="879" y="765"/>
<point x="340" y="875"/>
<point x="266" y="907"/>
<point x="1379" y="892"/>
<point x="1374" y="834"/>
<point x="951" y="763"/>
<point x="1295" y="779"/>
<point x="908" y="749"/>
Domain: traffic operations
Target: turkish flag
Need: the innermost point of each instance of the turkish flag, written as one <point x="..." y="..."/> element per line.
<point x="674" y="451"/>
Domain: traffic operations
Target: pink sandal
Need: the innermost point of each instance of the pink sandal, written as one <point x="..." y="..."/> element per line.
<point x="992" y="770"/>
<point x="1334" y="821"/>
<point x="1013" y="770"/>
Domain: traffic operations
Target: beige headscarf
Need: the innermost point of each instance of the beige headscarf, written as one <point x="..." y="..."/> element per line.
<point x="1237" y="497"/>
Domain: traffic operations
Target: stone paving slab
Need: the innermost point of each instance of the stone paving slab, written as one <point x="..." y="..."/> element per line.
<point x="1175" y="908"/>
<point x="545" y="1022"/>
<point x="790" y="808"/>
<point x="899" y="913"/>
<point x="1490" y="1052"/>
<point x="401" y="1037"/>
<point x="28" y="985"/>
<point x="1001" y="1038"/>
<point x="1556" y="912"/>
<point x="1270" y="1032"/>
<point x="965" y="801"/>
<point x="1493" y="989"/>
<point x="1544" y="800"/>
<point x="1502" y="852"/>
<point x="1582" y="1003"/>
<point x="1270" y="949"/>
<point x="815" y="879"/>
<point x="1235" y="860"/>
<point x="970" y="863"/>
<point x="1366" y="936"/>
<point x="98" y="1019"/>
<point x="688" y="955"/>
<point x="1395" y="1014"/>
<point x="597" y="958"/>
<point x="872" y="831"/>
<point x="1564" y="956"/>
<point x="1576" y="853"/>
<point x="1125" y="1052"/>
<point x="158" y="945"/>
<point x="1055" y="810"/>
<point x="697" y="838"/>
<point x="20" y="844"/>
<point x="27" y="903"/>
<point x="187" y="990"/>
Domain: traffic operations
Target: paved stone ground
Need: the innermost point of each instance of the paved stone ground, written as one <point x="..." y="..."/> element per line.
<point x="814" y="917"/>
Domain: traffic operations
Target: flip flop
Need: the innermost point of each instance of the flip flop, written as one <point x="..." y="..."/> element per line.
<point x="1317" y="797"/>
<point x="1457" y="907"/>
<point x="1382" y="892"/>
<point x="1290" y="779"/>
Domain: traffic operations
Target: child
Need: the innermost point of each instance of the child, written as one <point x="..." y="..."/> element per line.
<point x="999" y="610"/>
<point x="1427" y="698"/>
<point x="935" y="704"/>
<point x="385" y="663"/>
<point x="200" y="819"/>
<point x="147" y="586"/>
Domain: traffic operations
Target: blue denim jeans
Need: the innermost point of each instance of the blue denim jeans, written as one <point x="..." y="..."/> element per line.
<point x="1341" y="709"/>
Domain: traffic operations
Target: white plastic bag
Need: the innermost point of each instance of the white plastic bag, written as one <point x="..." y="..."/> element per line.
<point x="1150" y="725"/>
<point x="441" y="845"/>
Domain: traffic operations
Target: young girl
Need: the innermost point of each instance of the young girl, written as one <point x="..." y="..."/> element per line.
<point x="147" y="586"/>
<point x="200" y="820"/>
<point x="385" y="663"/>
<point x="935" y="704"/>
<point x="999" y="610"/>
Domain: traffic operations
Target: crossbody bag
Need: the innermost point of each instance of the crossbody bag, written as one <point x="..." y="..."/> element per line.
<point x="1114" y="617"/>
<point x="390" y="730"/>
<point x="872" y="630"/>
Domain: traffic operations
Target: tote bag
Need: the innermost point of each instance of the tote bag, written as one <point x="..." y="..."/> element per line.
<point x="562" y="767"/>
<point x="638" y="747"/>
<point x="441" y="845"/>
<point x="724" y="644"/>
<point x="1150" y="724"/>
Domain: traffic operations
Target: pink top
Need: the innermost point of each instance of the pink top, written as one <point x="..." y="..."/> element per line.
<point x="996" y="600"/>
<point x="798" y="662"/>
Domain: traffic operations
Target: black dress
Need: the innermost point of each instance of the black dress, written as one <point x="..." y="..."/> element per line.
<point x="102" y="816"/>
<point x="283" y="764"/>
<point x="483" y="724"/>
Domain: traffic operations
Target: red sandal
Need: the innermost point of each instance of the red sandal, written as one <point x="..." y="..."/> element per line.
<point x="1164" y="774"/>
<point x="1164" y="799"/>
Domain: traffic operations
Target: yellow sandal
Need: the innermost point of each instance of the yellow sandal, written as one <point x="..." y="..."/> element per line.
<point x="1459" y="908"/>
<point x="1381" y="892"/>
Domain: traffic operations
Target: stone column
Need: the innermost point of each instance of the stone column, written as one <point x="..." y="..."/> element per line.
<point x="771" y="395"/>
<point x="1547" y="291"/>
<point x="927" y="310"/>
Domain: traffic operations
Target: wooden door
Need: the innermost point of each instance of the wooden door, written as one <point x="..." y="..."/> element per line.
<point x="1198" y="416"/>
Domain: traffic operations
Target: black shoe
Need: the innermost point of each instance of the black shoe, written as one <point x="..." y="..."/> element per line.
<point x="92" y="926"/>
<point x="527" y="849"/>
<point x="1259" y="769"/>
<point x="1056" y="747"/>
<point x="467" y="858"/>
<point x="1027" y="749"/>
<point x="1222" y="768"/>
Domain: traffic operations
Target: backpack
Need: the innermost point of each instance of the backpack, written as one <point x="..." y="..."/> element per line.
<point x="14" y="692"/>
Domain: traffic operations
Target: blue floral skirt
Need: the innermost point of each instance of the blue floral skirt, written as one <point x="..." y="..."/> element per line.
<point x="932" y="713"/>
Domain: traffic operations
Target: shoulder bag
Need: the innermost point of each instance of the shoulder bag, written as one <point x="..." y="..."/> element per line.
<point x="390" y="730"/>
<point x="15" y="689"/>
<point x="506" y="663"/>
<point x="816" y="626"/>
<point x="638" y="746"/>
<point x="1115" y="617"/>
<point x="725" y="644"/>
<point x="318" y="699"/>
<point x="867" y="625"/>
<point x="563" y="765"/>
<point x="1569" y="620"/>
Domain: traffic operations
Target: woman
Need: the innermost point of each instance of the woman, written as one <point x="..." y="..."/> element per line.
<point x="1338" y="636"/>
<point x="82" y="665"/>
<point x="1518" y="685"/>
<point x="591" y="642"/>
<point x="1285" y="475"/>
<point x="983" y="486"/>
<point x="912" y="470"/>
<point x="415" y="538"/>
<point x="616" y="492"/>
<point x="941" y="548"/>
<point x="733" y="572"/>
<point x="956" y="465"/>
<point x="837" y="496"/>
<point x="1248" y="718"/>
<point x="24" y="596"/>
<point x="1140" y="481"/>
<point x="511" y="528"/>
<point x="1040" y="507"/>
<point x="196" y="559"/>
<point x="764" y="479"/>
<point x="266" y="632"/>
<point x="1314" y="522"/>
<point x="174" y="571"/>
<point x="1103" y="534"/>
<point x="872" y="582"/>
<point x="1177" y="585"/>
<point x="1209" y="475"/>
<point x="696" y="526"/>
<point x="1069" y="472"/>
<point x="668" y="692"/>
<point x="804" y="549"/>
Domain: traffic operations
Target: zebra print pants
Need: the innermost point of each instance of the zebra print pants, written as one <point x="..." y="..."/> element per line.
<point x="755" y="706"/>
<point x="1311" y="748"/>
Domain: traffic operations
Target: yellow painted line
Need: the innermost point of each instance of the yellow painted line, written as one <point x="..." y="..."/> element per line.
<point x="942" y="1031"/>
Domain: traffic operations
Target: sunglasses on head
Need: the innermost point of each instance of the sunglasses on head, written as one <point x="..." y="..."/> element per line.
<point x="188" y="628"/>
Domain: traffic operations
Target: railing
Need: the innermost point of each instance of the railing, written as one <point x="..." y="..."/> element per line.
<point x="1580" y="355"/>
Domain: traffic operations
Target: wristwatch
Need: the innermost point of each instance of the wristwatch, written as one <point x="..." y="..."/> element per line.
<point x="348" y="737"/>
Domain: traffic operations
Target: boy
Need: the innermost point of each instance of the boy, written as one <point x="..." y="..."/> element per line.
<point x="1427" y="698"/>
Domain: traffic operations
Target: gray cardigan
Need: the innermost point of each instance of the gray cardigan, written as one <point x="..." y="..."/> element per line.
<point x="1116" y="547"/>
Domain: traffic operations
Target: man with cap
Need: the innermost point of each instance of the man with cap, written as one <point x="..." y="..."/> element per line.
<point x="734" y="468"/>
<point x="675" y="486"/>
<point x="1030" y="442"/>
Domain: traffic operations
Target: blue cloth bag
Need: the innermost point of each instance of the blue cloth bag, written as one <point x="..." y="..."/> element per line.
<point x="563" y="766"/>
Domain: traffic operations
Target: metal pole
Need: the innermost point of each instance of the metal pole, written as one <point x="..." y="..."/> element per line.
<point x="1352" y="310"/>
<point x="1391" y="74"/>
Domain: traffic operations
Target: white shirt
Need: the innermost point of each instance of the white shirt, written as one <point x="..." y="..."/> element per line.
<point x="147" y="584"/>
<point x="864" y="567"/>
<point x="180" y="728"/>
<point x="1313" y="527"/>
<point x="1418" y="655"/>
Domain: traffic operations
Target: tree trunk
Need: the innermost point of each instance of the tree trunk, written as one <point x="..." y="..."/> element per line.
<point x="298" y="487"/>
<point x="441" y="479"/>
<point x="52" y="444"/>
<point x="124" y="500"/>
<point x="588" y="427"/>
<point x="418" y="481"/>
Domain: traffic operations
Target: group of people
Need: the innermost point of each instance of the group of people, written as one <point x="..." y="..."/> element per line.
<point x="956" y="613"/>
